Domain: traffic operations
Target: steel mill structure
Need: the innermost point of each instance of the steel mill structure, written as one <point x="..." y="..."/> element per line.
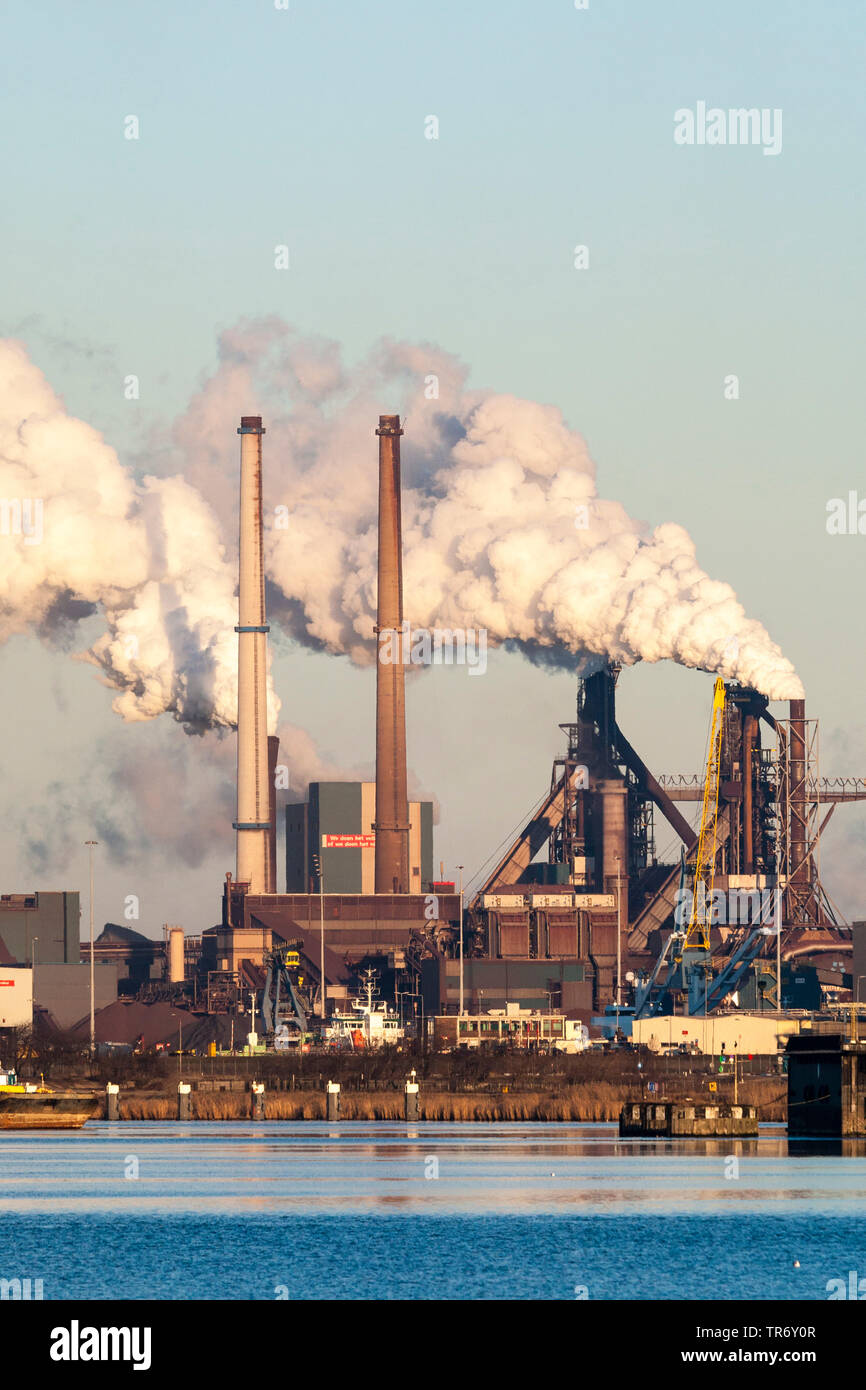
<point x="579" y="907"/>
<point x="602" y="877"/>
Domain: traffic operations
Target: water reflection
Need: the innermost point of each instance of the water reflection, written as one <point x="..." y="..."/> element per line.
<point x="313" y="1168"/>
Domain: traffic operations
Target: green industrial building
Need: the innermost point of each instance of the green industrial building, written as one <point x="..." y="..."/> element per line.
<point x="348" y="809"/>
<point x="44" y="927"/>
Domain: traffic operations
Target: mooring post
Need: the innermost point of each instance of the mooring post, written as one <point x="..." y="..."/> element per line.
<point x="258" y="1100"/>
<point x="333" y="1100"/>
<point x="184" y="1105"/>
<point x="112" y="1101"/>
<point x="410" y="1099"/>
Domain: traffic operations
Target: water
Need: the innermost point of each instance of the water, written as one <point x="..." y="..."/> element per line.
<point x="427" y="1211"/>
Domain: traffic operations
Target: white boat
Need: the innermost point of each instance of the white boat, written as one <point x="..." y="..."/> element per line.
<point x="369" y="1022"/>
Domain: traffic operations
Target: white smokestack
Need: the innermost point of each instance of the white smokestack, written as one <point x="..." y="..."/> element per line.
<point x="253" y="822"/>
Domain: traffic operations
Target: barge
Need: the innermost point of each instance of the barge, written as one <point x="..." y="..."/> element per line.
<point x="37" y="1107"/>
<point x="687" y="1119"/>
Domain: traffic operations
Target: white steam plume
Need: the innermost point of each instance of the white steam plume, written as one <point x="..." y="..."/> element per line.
<point x="82" y="536"/>
<point x="502" y="523"/>
<point x="493" y="487"/>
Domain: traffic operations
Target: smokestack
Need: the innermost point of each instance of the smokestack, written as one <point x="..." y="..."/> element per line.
<point x="253" y="823"/>
<point x="273" y="758"/>
<point x="392" y="799"/>
<point x="797" y="792"/>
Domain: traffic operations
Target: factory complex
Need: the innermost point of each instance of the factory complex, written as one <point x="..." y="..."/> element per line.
<point x="578" y="933"/>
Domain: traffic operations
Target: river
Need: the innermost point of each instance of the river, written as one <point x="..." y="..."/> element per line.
<point x="292" y="1211"/>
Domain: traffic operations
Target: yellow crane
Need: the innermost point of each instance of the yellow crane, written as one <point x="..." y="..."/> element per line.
<point x="697" y="933"/>
<point x="705" y="990"/>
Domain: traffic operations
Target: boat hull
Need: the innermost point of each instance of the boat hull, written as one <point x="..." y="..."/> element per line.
<point x="47" y="1110"/>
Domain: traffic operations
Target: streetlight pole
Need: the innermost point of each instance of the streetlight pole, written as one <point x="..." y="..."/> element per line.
<point x="317" y="860"/>
<point x="460" y="1009"/>
<point x="322" y="946"/>
<point x="91" y="844"/>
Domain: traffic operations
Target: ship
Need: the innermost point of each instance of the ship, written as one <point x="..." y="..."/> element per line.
<point x="369" y="1023"/>
<point x="28" y="1106"/>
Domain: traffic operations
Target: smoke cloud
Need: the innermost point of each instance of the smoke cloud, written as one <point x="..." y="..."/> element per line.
<point x="81" y="536"/>
<point x="503" y="529"/>
<point x="502" y="522"/>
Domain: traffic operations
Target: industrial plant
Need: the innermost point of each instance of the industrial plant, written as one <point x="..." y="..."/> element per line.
<point x="579" y="931"/>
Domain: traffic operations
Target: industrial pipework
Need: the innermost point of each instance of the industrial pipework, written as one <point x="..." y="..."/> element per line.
<point x="797" y="808"/>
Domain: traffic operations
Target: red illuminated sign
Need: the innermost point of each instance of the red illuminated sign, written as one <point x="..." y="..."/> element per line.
<point x="348" y="842"/>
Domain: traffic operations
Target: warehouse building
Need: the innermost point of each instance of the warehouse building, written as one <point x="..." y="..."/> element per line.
<point x="40" y="926"/>
<point x="41" y="931"/>
<point x="539" y="985"/>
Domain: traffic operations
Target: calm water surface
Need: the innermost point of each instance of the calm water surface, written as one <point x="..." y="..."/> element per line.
<point x="381" y="1210"/>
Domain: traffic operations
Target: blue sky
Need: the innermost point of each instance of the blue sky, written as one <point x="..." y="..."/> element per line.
<point x="305" y="126"/>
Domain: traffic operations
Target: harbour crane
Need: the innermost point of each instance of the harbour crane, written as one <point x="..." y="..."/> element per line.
<point x="693" y="955"/>
<point x="649" y="996"/>
<point x="280" y="1014"/>
<point x="697" y="933"/>
<point x="687" y="950"/>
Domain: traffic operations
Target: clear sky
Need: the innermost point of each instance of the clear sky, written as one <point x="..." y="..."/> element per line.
<point x="305" y="126"/>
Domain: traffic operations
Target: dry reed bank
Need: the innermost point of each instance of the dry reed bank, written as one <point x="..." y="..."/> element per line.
<point x="594" y="1101"/>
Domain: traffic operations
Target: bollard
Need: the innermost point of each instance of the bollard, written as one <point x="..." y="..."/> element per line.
<point x="112" y="1101"/>
<point x="258" y="1100"/>
<point x="333" y="1100"/>
<point x="410" y="1099"/>
<point x="184" y="1105"/>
